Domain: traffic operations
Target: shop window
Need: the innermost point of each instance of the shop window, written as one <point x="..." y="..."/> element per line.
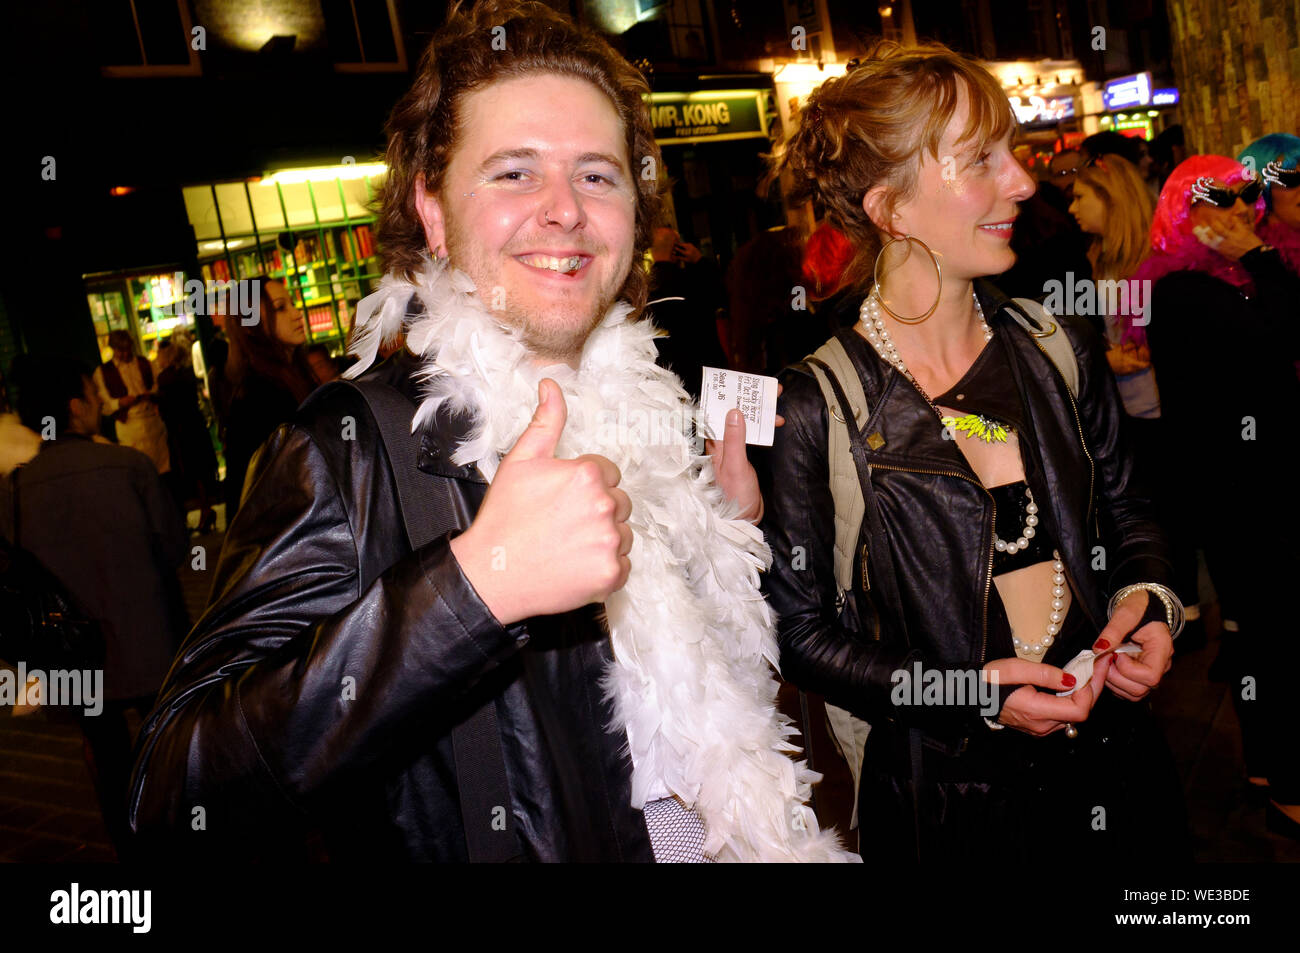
<point x="363" y="36"/>
<point x="312" y="228"/>
<point x="144" y="38"/>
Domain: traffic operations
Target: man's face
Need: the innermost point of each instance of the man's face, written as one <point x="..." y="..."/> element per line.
<point x="121" y="352"/>
<point x="83" y="416"/>
<point x="538" y="207"/>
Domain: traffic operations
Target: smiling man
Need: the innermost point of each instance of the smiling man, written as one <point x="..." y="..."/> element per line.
<point x="462" y="614"/>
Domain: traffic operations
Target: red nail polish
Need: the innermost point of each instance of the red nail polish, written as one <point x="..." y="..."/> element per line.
<point x="1067" y="680"/>
<point x="1101" y="646"/>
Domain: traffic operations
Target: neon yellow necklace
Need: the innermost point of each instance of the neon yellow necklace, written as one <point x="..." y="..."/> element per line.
<point x="977" y="425"/>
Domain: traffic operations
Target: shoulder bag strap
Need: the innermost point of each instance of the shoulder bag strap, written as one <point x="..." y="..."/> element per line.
<point x="875" y="528"/>
<point x="1031" y="316"/>
<point x="846" y="486"/>
<point x="879" y="546"/>
<point x="427" y="509"/>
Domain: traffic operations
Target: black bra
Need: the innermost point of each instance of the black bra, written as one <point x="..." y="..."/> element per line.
<point x="1009" y="524"/>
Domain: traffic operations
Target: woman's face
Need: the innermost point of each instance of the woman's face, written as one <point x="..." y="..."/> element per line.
<point x="1286" y="206"/>
<point x="965" y="203"/>
<point x="287" y="319"/>
<point x="1206" y="213"/>
<point x="1088" y="209"/>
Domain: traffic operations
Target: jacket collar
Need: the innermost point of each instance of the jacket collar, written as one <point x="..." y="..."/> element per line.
<point x="442" y="432"/>
<point x="913" y="438"/>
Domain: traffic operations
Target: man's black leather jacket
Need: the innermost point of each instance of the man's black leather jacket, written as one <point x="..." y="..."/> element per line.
<point x="310" y="710"/>
<point x="938" y="519"/>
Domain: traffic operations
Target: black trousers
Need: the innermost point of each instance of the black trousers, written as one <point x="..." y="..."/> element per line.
<point x="1113" y="793"/>
<point x="108" y="756"/>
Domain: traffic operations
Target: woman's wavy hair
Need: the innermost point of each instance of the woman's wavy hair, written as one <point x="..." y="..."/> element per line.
<point x="870" y="126"/>
<point x="467" y="53"/>
<point x="1126" y="239"/>
<point x="255" y="351"/>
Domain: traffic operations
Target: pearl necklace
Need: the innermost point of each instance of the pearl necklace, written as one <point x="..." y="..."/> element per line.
<point x="873" y="322"/>
<point x="1027" y="531"/>
<point x="1057" y="615"/>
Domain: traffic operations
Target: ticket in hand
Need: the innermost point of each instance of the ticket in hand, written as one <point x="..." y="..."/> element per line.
<point x="754" y="394"/>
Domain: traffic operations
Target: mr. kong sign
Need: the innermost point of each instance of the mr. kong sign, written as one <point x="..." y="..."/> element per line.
<point x="708" y="116"/>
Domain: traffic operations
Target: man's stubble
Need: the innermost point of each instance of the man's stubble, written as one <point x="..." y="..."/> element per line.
<point x="550" y="340"/>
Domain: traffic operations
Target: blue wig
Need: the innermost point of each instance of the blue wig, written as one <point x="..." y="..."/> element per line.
<point x="1276" y="147"/>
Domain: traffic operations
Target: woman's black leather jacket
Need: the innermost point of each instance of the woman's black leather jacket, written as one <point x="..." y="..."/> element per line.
<point x="938" y="520"/>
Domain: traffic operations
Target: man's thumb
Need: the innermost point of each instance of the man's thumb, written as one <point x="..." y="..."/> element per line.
<point x="543" y="432"/>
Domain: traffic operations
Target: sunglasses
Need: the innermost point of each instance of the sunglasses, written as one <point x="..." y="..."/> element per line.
<point x="1274" y="174"/>
<point x="1206" y="191"/>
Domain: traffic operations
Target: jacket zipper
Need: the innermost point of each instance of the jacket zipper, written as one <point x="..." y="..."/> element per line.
<point x="988" y="580"/>
<point x="866" y="587"/>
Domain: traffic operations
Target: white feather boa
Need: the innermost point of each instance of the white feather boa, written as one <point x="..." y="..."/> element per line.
<point x="693" y="640"/>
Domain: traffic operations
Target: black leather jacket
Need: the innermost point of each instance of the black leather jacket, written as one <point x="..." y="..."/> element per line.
<point x="939" y="522"/>
<point x="259" y="727"/>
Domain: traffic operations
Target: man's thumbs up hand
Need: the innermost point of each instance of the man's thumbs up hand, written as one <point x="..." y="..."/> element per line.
<point x="551" y="535"/>
<point x="543" y="433"/>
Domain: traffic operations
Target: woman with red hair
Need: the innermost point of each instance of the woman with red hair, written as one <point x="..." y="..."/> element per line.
<point x="1223" y="338"/>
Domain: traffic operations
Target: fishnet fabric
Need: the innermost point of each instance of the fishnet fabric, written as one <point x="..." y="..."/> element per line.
<point x="676" y="833"/>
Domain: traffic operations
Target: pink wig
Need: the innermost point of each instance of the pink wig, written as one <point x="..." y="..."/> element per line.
<point x="1174" y="246"/>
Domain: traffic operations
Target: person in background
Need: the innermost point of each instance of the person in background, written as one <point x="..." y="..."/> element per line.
<point x="194" y="463"/>
<point x="268" y="378"/>
<point x="681" y="270"/>
<point x="17" y="443"/>
<point x="1223" y="336"/>
<point x="826" y="258"/>
<point x="1276" y="158"/>
<point x="128" y="392"/>
<point x="1132" y="149"/>
<point x="1111" y="143"/>
<point x="1112" y="204"/>
<point x="769" y="326"/>
<point x="1167" y="150"/>
<point x="1061" y="170"/>
<point x="218" y="381"/>
<point x="96" y="515"/>
<point x="323" y="366"/>
<point x="1048" y="244"/>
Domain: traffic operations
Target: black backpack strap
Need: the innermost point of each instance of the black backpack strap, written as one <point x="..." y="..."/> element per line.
<point x="427" y="512"/>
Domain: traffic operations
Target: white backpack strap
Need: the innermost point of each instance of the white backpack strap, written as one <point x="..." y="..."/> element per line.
<point x="848" y="731"/>
<point x="846" y="491"/>
<point x="1051" y="336"/>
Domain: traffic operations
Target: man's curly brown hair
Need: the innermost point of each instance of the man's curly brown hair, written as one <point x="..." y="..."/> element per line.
<point x="423" y="129"/>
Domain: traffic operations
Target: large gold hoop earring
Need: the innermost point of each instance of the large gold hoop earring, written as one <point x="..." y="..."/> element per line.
<point x="938" y="274"/>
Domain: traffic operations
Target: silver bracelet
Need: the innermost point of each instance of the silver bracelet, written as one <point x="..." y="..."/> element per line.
<point x="995" y="725"/>
<point x="1173" y="605"/>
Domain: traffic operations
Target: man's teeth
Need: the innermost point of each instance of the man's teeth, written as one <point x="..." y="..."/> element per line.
<point x="1004" y="227"/>
<point x="571" y="263"/>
